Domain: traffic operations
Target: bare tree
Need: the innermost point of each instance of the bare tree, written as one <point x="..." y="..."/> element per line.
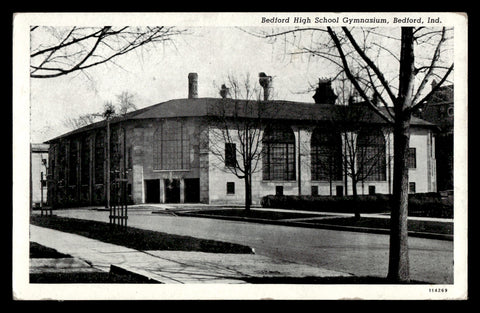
<point x="58" y="51"/>
<point x="421" y="54"/>
<point x="80" y="121"/>
<point x="364" y="154"/>
<point x="125" y="103"/>
<point x="235" y="131"/>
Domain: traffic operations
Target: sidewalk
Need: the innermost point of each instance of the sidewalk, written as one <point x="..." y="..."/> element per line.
<point x="178" y="267"/>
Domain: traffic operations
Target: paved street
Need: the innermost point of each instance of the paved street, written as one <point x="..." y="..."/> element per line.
<point x="352" y="252"/>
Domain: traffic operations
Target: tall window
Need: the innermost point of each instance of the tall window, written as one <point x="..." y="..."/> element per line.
<point x="326" y="155"/>
<point x="411" y="187"/>
<point x="115" y="153"/>
<point x="99" y="157"/>
<point x="230" y="188"/>
<point x="129" y="158"/>
<point x="85" y="161"/>
<point x="171" y="147"/>
<point x="230" y="155"/>
<point x="412" y="158"/>
<point x="61" y="163"/>
<point x="279" y="153"/>
<point x="72" y="163"/>
<point x="371" y="155"/>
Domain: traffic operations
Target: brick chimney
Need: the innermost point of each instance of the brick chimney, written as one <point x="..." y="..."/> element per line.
<point x="266" y="82"/>
<point x="224" y="92"/>
<point x="324" y="92"/>
<point x="192" y="85"/>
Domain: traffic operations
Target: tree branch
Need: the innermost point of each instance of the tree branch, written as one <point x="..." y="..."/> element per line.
<point x="414" y="107"/>
<point x="435" y="58"/>
<point x="352" y="78"/>
<point x="370" y="63"/>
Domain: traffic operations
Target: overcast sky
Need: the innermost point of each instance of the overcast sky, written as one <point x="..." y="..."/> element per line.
<point x="160" y="74"/>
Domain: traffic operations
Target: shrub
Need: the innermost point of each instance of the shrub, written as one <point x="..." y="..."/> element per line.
<point x="346" y="204"/>
<point x="421" y="204"/>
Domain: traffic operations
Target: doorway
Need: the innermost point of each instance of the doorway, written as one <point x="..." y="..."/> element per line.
<point x="152" y="191"/>
<point x="192" y="190"/>
<point x="172" y="191"/>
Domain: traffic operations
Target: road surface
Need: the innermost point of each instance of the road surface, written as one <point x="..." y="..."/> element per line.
<point x="361" y="254"/>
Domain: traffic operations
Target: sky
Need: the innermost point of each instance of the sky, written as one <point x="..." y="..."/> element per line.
<point x="161" y="74"/>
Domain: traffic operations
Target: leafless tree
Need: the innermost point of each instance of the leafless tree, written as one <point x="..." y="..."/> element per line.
<point x="80" y="121"/>
<point x="58" y="51"/>
<point x="420" y="54"/>
<point x="125" y="103"/>
<point x="235" y="131"/>
<point x="364" y="154"/>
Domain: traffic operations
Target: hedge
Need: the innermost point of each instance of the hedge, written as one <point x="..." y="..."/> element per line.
<point x="422" y="204"/>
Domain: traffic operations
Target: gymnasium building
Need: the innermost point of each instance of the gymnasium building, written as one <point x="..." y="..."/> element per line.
<point x="163" y="152"/>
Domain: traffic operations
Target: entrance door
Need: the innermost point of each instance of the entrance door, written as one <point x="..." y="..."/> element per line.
<point x="172" y="191"/>
<point x="152" y="191"/>
<point x="192" y="190"/>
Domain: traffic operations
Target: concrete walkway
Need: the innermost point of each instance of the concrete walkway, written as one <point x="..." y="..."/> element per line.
<point x="177" y="267"/>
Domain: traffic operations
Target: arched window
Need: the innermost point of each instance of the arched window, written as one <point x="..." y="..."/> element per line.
<point x="171" y="146"/>
<point x="371" y="155"/>
<point x="326" y="155"/>
<point x="279" y="153"/>
<point x="99" y="157"/>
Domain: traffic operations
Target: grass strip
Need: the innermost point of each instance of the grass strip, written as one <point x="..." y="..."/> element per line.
<point x="444" y="228"/>
<point x="86" y="278"/>
<point x="37" y="251"/>
<point x="135" y="238"/>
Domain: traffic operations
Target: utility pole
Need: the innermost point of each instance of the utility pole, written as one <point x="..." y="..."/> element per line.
<point x="107" y="114"/>
<point x="107" y="204"/>
<point x="31" y="182"/>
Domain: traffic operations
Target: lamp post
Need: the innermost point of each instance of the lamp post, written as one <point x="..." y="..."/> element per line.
<point x="107" y="114"/>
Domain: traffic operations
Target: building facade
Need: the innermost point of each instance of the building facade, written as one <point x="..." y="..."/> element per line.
<point x="439" y="110"/>
<point x="38" y="174"/>
<point x="164" y="154"/>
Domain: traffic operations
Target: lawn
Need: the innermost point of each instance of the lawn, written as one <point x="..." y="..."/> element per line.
<point x="86" y="278"/>
<point x="445" y="228"/>
<point x="384" y="223"/>
<point x="325" y="280"/>
<point x="136" y="238"/>
<point x="38" y="251"/>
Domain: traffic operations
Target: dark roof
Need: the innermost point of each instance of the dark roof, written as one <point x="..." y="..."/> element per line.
<point x="275" y="109"/>
<point x="39" y="147"/>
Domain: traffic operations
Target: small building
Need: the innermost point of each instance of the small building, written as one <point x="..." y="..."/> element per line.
<point x="39" y="166"/>
<point x="163" y="153"/>
<point x="439" y="110"/>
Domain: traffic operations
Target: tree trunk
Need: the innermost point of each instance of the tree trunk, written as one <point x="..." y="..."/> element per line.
<point x="355" y="199"/>
<point x="398" y="270"/>
<point x="248" y="191"/>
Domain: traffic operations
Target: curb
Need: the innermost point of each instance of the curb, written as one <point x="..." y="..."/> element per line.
<point x="319" y="226"/>
<point x="115" y="269"/>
